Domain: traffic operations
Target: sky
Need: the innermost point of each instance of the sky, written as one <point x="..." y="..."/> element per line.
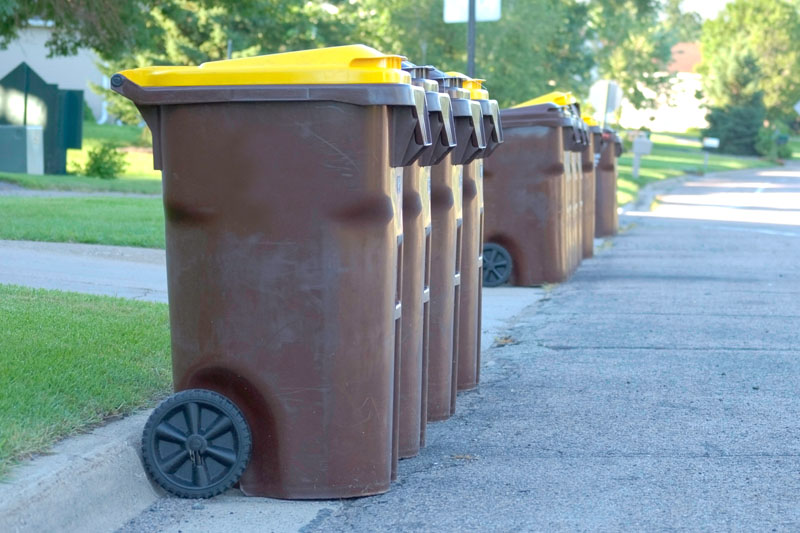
<point x="708" y="9"/>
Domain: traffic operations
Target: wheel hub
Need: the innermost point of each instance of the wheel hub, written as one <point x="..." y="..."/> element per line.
<point x="196" y="443"/>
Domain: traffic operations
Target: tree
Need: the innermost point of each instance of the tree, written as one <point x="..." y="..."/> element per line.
<point x="686" y="26"/>
<point x="537" y="46"/>
<point x="632" y="45"/>
<point x="191" y="32"/>
<point x="108" y="26"/>
<point x="739" y="115"/>
<point x="769" y="31"/>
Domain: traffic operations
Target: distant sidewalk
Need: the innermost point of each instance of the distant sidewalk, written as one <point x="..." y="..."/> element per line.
<point x="11" y="189"/>
<point x="126" y="272"/>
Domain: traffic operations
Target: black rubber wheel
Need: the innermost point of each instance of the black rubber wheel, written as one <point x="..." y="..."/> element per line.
<point x="196" y="444"/>
<point x="497" y="265"/>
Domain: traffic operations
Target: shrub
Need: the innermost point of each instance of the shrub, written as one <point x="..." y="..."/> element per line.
<point x="87" y="112"/>
<point x="765" y="142"/>
<point x="105" y="162"/>
<point x="772" y="142"/>
<point x="736" y="127"/>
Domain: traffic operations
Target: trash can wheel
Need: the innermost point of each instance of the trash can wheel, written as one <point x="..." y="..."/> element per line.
<point x="496" y="265"/>
<point x="196" y="444"/>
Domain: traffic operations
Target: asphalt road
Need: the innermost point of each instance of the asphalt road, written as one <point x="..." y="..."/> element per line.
<point x="657" y="390"/>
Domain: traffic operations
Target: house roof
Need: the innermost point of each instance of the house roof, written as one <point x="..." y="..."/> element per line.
<point x="685" y="57"/>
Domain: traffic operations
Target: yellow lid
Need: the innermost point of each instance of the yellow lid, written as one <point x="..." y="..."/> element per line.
<point x="473" y="85"/>
<point x="556" y="97"/>
<point x="336" y="65"/>
<point x="589" y="120"/>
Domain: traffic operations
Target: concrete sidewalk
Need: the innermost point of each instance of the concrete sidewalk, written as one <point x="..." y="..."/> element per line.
<point x="138" y="273"/>
<point x="95" y="482"/>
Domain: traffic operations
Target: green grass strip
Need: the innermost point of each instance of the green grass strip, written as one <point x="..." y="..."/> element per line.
<point x="69" y="361"/>
<point x="673" y="157"/>
<point x="69" y="182"/>
<point x="94" y="220"/>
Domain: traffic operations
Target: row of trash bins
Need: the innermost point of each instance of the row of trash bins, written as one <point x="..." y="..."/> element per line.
<point x="325" y="218"/>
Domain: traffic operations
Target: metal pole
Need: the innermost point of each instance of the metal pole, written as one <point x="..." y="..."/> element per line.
<point x="230" y="48"/>
<point x="471" y="40"/>
<point x="605" y="109"/>
<point x="25" y="101"/>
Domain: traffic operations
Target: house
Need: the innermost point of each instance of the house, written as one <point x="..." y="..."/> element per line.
<point x="71" y="72"/>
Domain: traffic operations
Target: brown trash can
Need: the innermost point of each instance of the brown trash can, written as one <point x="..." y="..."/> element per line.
<point x="469" y="322"/>
<point x="582" y="155"/>
<point x="284" y="242"/>
<point x="588" y="159"/>
<point x="575" y="223"/>
<point x="527" y="198"/>
<point x="446" y="214"/>
<point x="413" y="416"/>
<point x="606" y="221"/>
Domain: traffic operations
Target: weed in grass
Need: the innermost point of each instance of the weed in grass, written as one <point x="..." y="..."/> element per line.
<point x="70" y="361"/>
<point x="104" y="162"/>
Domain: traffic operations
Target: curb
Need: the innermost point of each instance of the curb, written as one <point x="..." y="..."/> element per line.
<point x="100" y="466"/>
<point x="650" y="193"/>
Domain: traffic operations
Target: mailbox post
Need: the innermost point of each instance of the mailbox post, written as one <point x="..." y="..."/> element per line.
<point x="641" y="146"/>
<point x="709" y="143"/>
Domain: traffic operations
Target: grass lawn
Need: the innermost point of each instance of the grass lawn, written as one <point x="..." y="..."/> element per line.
<point x="794" y="144"/>
<point x="144" y="185"/>
<point x="69" y="361"/>
<point x="122" y="135"/>
<point x="674" y="156"/>
<point x="95" y="220"/>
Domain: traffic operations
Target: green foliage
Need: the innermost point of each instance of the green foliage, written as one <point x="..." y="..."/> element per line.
<point x="88" y="116"/>
<point x="537" y="44"/>
<point x="768" y="32"/>
<point x="631" y="44"/>
<point x="105" y="162"/>
<point x="69" y="361"/>
<point x="736" y="127"/>
<point x="190" y="32"/>
<point x="732" y="79"/>
<point x="110" y="27"/>
<point x="740" y="112"/>
<point x="686" y="26"/>
<point x="765" y="142"/>
<point x="772" y="142"/>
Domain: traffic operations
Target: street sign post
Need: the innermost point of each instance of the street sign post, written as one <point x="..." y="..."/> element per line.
<point x="606" y="97"/>
<point x="471" y="11"/>
<point x="456" y="11"/>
